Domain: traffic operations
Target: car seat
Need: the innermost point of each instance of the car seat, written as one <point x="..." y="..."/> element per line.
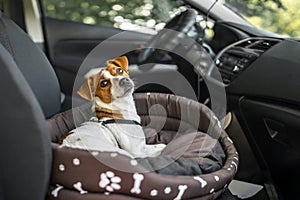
<point x="25" y="148"/>
<point x="28" y="82"/>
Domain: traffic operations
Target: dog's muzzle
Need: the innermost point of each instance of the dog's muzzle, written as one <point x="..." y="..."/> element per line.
<point x="125" y="82"/>
<point x="127" y="85"/>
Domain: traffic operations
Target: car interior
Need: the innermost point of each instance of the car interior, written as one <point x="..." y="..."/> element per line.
<point x="248" y="76"/>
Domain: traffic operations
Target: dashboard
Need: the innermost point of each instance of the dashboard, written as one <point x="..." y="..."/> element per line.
<point x="262" y="67"/>
<point x="261" y="78"/>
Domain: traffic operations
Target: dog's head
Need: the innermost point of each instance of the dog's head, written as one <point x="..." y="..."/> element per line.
<point x="110" y="83"/>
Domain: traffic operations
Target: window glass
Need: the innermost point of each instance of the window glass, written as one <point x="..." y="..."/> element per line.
<point x="126" y="15"/>
<point x="277" y="16"/>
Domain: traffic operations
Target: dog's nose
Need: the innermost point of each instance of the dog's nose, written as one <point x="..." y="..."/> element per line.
<point x="124" y="82"/>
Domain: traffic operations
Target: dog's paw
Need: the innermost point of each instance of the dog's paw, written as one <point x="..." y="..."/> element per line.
<point x="160" y="146"/>
<point x="154" y="150"/>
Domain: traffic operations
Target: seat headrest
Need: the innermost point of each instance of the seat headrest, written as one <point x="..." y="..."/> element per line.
<point x="33" y="64"/>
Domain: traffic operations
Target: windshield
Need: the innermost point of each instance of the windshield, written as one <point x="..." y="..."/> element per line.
<point x="277" y="16"/>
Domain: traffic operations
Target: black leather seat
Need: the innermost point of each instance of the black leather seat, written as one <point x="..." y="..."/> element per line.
<point x="29" y="92"/>
<point x="25" y="149"/>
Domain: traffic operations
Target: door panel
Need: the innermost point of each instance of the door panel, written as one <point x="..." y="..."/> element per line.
<point x="273" y="128"/>
<point x="70" y="42"/>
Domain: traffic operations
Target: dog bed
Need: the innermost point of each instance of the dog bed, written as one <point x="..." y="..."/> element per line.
<point x="199" y="161"/>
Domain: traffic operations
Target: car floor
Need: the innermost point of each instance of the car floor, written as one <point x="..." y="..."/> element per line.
<point x="249" y="170"/>
<point x="261" y="195"/>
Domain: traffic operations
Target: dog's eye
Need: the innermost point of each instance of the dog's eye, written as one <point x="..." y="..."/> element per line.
<point x="104" y="83"/>
<point x="119" y="71"/>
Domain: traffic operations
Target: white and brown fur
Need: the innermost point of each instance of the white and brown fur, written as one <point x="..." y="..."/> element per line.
<point x="111" y="90"/>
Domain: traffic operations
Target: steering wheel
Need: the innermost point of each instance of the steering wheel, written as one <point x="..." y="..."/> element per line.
<point x="181" y="23"/>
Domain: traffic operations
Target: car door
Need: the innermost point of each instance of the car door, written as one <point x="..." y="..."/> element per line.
<point x="74" y="28"/>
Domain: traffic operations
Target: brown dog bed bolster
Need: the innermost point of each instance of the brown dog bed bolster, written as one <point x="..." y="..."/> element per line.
<point x="80" y="174"/>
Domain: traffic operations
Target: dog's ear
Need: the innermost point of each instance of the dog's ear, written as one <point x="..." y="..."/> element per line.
<point x="88" y="89"/>
<point x="120" y="62"/>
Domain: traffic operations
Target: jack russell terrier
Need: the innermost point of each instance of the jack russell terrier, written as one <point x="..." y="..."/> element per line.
<point x="116" y="127"/>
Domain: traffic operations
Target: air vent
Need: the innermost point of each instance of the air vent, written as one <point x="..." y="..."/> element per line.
<point x="261" y="45"/>
<point x="237" y="57"/>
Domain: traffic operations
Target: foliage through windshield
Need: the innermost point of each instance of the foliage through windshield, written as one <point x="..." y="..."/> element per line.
<point x="277" y="16"/>
<point x="127" y="15"/>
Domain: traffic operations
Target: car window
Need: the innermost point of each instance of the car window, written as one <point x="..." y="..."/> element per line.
<point x="277" y="16"/>
<point x="126" y="15"/>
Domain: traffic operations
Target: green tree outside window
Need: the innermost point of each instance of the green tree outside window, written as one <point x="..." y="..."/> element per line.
<point x="122" y="14"/>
